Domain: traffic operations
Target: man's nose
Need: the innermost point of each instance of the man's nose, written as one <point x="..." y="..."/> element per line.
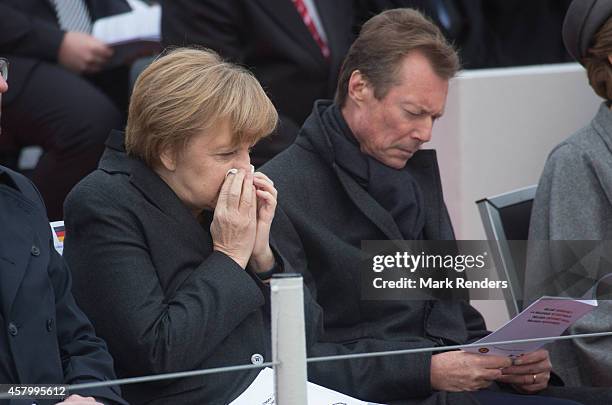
<point x="423" y="133"/>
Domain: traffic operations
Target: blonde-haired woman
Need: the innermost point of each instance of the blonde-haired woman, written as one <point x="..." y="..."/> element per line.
<point x="168" y="240"/>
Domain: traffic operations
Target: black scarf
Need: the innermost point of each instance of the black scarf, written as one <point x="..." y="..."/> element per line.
<point x="395" y="190"/>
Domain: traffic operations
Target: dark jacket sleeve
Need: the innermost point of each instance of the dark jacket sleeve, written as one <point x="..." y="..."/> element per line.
<point x="84" y="356"/>
<point x="474" y="323"/>
<point x="117" y="284"/>
<point x="27" y="36"/>
<point x="378" y="379"/>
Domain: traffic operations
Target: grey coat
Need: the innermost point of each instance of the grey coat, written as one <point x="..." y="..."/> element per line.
<point x="574" y="202"/>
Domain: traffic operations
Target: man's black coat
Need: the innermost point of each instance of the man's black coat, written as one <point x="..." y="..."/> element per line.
<point x="45" y="338"/>
<point x="332" y="214"/>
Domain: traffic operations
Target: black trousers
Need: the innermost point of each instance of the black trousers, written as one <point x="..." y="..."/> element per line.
<point x="500" y="398"/>
<point x="502" y="394"/>
<point x="70" y="118"/>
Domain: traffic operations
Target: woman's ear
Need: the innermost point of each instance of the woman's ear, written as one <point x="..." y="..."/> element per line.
<point x="168" y="159"/>
<point x="610" y="58"/>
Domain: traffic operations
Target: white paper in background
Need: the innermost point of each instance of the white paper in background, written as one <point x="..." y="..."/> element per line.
<point x="143" y="23"/>
<point x="546" y="317"/>
<point x="58" y="232"/>
<point x="261" y="392"/>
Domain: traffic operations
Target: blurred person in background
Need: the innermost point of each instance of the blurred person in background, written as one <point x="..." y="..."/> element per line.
<point x="61" y="97"/>
<point x="294" y="48"/>
<point x="492" y="33"/>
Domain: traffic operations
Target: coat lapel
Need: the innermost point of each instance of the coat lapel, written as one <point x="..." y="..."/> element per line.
<point x="287" y="17"/>
<point x="18" y="238"/>
<point x="334" y="19"/>
<point x="370" y="208"/>
<point x="424" y="168"/>
<point x="160" y="194"/>
<point x="603" y="121"/>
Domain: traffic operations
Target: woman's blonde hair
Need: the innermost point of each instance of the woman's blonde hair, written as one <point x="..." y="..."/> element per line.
<point x="597" y="64"/>
<point x="188" y="90"/>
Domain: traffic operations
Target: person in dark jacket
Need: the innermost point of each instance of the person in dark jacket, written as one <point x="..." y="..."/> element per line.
<point x="45" y="339"/>
<point x="62" y="96"/>
<point x="356" y="173"/>
<point x="169" y="244"/>
<point x="271" y="38"/>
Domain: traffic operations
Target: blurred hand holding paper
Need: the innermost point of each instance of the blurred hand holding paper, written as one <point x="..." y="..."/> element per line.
<point x="546" y="317"/>
<point x="131" y="35"/>
<point x="261" y="392"/>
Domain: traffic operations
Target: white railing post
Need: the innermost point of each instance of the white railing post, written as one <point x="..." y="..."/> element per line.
<point x="289" y="339"/>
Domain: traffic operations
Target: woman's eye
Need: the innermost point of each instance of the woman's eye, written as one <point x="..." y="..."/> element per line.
<point x="413" y="114"/>
<point x="226" y="154"/>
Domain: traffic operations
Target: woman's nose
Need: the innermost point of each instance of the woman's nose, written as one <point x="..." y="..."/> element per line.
<point x="244" y="163"/>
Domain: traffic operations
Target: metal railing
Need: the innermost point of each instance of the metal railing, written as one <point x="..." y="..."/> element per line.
<point x="289" y="348"/>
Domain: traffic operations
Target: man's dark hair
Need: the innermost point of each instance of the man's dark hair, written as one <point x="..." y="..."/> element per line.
<point x="385" y="40"/>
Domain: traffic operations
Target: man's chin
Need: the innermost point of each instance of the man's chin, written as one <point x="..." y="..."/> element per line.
<point x="396" y="163"/>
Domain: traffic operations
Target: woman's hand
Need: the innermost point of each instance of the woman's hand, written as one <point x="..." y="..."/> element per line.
<point x="262" y="259"/>
<point x="234" y="224"/>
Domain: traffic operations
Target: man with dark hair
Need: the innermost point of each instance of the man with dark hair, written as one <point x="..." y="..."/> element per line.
<point x="355" y="173"/>
<point x="45" y="338"/>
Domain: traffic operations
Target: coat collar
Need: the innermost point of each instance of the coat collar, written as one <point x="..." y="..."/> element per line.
<point x="423" y="165"/>
<point x="370" y="208"/>
<point x="153" y="188"/>
<point x="603" y="124"/>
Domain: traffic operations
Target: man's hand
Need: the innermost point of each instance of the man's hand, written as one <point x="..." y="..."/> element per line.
<point x="461" y="371"/>
<point x="82" y="53"/>
<point x="78" y="400"/>
<point x="530" y="372"/>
